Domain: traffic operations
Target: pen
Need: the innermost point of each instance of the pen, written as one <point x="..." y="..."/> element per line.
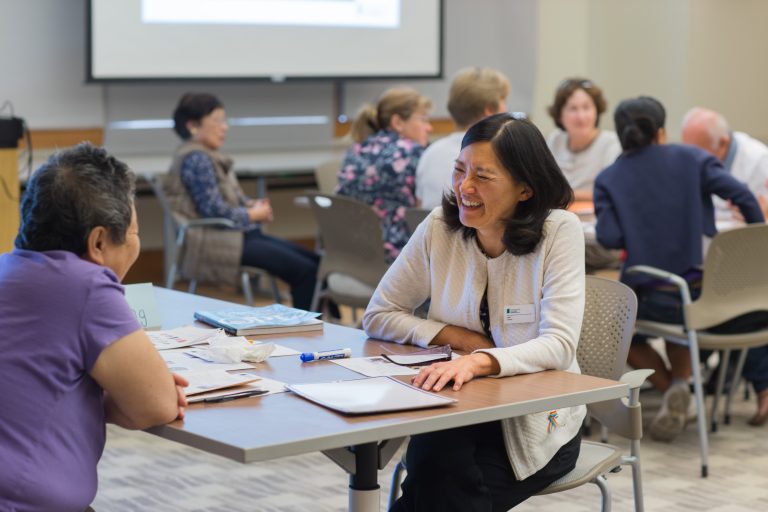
<point x="338" y="353"/>
<point x="252" y="392"/>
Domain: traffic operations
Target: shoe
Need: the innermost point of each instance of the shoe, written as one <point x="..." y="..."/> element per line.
<point x="762" y="409"/>
<point x="671" y="418"/>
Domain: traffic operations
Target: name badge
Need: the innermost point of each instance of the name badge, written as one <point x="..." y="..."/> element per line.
<point x="522" y="314"/>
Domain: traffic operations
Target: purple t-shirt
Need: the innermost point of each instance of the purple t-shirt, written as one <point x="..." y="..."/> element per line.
<point x="57" y="313"/>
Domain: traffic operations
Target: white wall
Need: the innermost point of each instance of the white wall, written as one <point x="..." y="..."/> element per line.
<point x="43" y="46"/>
<point x="683" y="52"/>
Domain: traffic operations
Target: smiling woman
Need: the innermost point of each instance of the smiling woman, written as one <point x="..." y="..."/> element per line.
<point x="503" y="265"/>
<point x="580" y="148"/>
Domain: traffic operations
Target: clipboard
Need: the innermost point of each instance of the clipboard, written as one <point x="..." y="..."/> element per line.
<point x="367" y="396"/>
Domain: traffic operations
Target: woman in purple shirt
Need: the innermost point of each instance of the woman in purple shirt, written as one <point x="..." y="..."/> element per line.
<point x="73" y="353"/>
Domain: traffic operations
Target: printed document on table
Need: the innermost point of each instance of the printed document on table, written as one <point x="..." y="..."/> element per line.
<point x="272" y="387"/>
<point x="375" y="366"/>
<point x="181" y="337"/>
<point x="205" y="381"/>
<point x="179" y="361"/>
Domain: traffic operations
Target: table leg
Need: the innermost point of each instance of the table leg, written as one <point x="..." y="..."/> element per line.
<point x="364" y="492"/>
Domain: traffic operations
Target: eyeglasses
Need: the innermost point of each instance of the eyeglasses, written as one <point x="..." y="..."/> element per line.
<point x="569" y="82"/>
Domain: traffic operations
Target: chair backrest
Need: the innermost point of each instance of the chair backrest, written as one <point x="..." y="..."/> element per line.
<point x="414" y="216"/>
<point x="156" y="181"/>
<point x="351" y="236"/>
<point x="610" y="309"/>
<point x="327" y="176"/>
<point x="735" y="277"/>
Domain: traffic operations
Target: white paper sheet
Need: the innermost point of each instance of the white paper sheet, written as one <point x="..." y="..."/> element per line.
<point x="205" y="381"/>
<point x="178" y="361"/>
<point x="181" y="337"/>
<point x="272" y="387"/>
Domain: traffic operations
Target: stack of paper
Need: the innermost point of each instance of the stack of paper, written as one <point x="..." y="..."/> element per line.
<point x="181" y="337"/>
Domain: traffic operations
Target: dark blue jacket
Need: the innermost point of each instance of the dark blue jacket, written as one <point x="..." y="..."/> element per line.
<point x="656" y="203"/>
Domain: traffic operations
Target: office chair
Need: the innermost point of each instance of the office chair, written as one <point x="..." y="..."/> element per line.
<point x="606" y="332"/>
<point x="327" y="176"/>
<point x="414" y="216"/>
<point x="735" y="282"/>
<point x="174" y="238"/>
<point x="352" y="257"/>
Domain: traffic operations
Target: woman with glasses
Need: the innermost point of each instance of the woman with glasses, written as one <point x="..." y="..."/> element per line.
<point x="380" y="168"/>
<point x="579" y="146"/>
<point x="74" y="355"/>
<point x="503" y="263"/>
<point x="202" y="184"/>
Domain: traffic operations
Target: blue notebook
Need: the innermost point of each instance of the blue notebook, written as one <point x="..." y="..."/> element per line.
<point x="274" y="319"/>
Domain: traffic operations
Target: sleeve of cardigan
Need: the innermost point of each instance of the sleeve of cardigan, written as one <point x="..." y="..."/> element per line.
<point x="404" y="287"/>
<point x="561" y="308"/>
<point x="199" y="178"/>
<point x="716" y="180"/>
<point x="607" y="230"/>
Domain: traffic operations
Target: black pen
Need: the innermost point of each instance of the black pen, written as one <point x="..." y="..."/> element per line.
<point x="244" y="394"/>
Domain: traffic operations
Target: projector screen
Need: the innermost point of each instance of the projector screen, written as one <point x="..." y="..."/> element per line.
<point x="268" y="39"/>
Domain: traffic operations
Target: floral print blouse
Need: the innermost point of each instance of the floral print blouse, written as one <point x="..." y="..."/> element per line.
<point x="199" y="177"/>
<point x="381" y="172"/>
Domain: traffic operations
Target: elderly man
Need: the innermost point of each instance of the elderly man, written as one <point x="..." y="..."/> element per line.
<point x="747" y="161"/>
<point x="742" y="156"/>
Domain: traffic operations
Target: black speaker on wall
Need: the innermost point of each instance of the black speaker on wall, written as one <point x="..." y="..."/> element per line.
<point x="11" y="130"/>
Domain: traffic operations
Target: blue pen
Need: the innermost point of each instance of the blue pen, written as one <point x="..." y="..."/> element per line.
<point x="339" y="353"/>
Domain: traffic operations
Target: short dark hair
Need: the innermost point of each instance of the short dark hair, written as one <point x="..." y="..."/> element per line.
<point x="569" y="86"/>
<point x="638" y="121"/>
<point x="75" y="191"/>
<point x="193" y="106"/>
<point x="523" y="152"/>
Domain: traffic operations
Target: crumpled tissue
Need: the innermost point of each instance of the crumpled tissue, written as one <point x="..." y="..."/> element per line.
<point x="225" y="349"/>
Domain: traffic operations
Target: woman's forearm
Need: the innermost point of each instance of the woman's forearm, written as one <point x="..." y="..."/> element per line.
<point x="460" y="338"/>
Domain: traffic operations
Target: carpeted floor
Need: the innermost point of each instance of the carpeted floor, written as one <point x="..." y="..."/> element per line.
<point x="140" y="472"/>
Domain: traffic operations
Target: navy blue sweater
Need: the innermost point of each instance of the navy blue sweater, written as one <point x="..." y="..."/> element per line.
<point x="656" y="202"/>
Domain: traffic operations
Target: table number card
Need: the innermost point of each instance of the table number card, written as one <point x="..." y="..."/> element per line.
<point x="141" y="299"/>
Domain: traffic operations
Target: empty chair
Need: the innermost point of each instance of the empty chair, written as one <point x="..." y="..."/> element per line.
<point x="327" y="176"/>
<point x="174" y="244"/>
<point x="352" y="258"/>
<point x="606" y="332"/>
<point x="734" y="283"/>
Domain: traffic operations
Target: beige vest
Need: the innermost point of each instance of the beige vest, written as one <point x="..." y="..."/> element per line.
<point x="211" y="255"/>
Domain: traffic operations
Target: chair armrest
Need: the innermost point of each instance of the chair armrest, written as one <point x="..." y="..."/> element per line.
<point x="210" y="222"/>
<point x="675" y="279"/>
<point x="635" y="378"/>
<point x="657" y="272"/>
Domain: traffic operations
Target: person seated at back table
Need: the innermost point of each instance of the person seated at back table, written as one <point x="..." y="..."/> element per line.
<point x="475" y="93"/>
<point x="582" y="149"/>
<point x="501" y="241"/>
<point x="655" y="202"/>
<point x="380" y="168"/>
<point x="744" y="157"/>
<point x="579" y="146"/>
<point x="73" y="352"/>
<point x="202" y="183"/>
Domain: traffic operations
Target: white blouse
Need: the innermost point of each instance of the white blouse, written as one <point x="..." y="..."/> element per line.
<point x="535" y="302"/>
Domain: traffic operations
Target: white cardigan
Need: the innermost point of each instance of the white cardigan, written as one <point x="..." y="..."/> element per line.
<point x="454" y="272"/>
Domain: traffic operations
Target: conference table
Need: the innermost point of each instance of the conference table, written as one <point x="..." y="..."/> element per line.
<point x="284" y="424"/>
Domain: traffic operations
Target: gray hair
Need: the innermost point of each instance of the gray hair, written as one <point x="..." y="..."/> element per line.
<point x="75" y="191"/>
<point x="713" y="123"/>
